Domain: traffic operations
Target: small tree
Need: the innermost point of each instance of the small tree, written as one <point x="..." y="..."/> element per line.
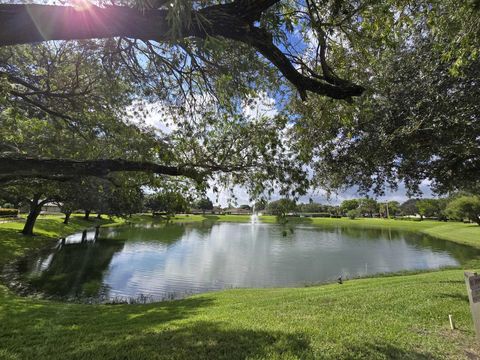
<point x="66" y="208"/>
<point x="348" y="205"/>
<point x="428" y="208"/>
<point x="389" y="208"/>
<point x="352" y="214"/>
<point x="368" y="206"/>
<point x="204" y="204"/>
<point x="409" y="207"/>
<point x="169" y="202"/>
<point x="311" y="207"/>
<point x="260" y="205"/>
<point x="281" y="207"/>
<point x="465" y="207"/>
<point x="33" y="194"/>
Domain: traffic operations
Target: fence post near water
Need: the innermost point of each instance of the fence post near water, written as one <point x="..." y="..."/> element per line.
<point x="472" y="280"/>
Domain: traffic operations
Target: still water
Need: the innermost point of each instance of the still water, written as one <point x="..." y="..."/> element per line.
<point x="160" y="261"/>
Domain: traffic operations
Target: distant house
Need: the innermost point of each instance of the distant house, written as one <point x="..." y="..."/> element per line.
<point x="238" y="211"/>
<point x="200" y="211"/>
<point x="51" y="208"/>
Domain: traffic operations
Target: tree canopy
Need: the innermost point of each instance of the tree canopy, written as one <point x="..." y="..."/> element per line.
<point x="75" y="107"/>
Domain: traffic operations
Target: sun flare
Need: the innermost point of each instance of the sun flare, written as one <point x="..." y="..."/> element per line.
<point x="81" y="5"/>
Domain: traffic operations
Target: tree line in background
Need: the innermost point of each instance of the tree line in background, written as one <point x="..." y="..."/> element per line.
<point x="457" y="207"/>
<point x="102" y="197"/>
<point x="96" y="196"/>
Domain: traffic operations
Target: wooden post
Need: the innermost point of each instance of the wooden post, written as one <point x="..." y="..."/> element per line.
<point x="472" y="280"/>
<point x="452" y="324"/>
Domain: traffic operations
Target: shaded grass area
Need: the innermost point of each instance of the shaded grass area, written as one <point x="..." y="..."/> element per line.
<point x="383" y="318"/>
<point x="47" y="228"/>
<point x="401" y="317"/>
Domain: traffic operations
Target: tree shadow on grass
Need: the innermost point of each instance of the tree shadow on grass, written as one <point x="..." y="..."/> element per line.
<point x="202" y="340"/>
<point x="75" y="224"/>
<point x="453" y="296"/>
<point x="13" y="243"/>
<point x="47" y="330"/>
<point x="380" y="350"/>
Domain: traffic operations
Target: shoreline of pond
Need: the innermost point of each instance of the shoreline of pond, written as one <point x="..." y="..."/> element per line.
<point x="195" y="218"/>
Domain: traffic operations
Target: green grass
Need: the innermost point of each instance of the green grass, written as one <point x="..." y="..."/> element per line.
<point x="383" y="318"/>
<point x="401" y="317"/>
<point x="47" y="228"/>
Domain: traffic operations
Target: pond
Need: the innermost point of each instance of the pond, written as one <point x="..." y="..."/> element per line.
<point x="156" y="261"/>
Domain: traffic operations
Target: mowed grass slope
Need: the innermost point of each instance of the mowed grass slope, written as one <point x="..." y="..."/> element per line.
<point x="399" y="317"/>
<point x="404" y="317"/>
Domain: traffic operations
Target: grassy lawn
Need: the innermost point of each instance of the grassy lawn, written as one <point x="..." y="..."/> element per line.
<point x="13" y="243"/>
<point x="399" y="317"/>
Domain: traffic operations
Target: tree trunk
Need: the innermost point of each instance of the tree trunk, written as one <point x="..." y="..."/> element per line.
<point x="99" y="216"/>
<point x="67" y="217"/>
<point x="35" y="209"/>
<point x="87" y="215"/>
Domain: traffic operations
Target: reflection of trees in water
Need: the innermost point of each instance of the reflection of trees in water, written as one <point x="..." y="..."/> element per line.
<point x="167" y="233"/>
<point x="73" y="270"/>
<point x="362" y="233"/>
<point x="371" y="234"/>
<point x="461" y="253"/>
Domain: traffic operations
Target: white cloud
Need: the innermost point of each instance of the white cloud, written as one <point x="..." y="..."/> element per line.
<point x="223" y="198"/>
<point x="156" y="115"/>
<point x="260" y="106"/>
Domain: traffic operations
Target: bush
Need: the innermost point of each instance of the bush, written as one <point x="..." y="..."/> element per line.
<point x="465" y="207"/>
<point x="352" y="214"/>
<point x="8" y="212"/>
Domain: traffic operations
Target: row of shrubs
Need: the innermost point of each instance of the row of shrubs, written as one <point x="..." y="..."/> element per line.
<point x="8" y="212"/>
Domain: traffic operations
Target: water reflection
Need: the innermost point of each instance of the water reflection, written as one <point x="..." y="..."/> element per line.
<point x="172" y="260"/>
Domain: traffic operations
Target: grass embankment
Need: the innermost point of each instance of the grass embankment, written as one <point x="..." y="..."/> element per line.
<point x="403" y="317"/>
<point x="47" y="228"/>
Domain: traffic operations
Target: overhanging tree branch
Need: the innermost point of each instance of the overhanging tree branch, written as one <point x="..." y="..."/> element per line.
<point x="64" y="169"/>
<point x="21" y="24"/>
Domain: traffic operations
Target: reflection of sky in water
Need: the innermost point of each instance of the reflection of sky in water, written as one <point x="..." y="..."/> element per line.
<point x="245" y="255"/>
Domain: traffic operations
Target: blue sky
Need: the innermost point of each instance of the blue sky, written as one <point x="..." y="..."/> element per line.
<point x="319" y="196"/>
